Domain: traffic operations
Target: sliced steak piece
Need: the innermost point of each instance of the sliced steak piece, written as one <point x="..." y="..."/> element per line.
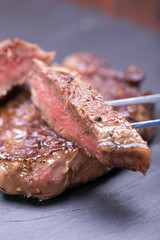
<point x="34" y="161"/>
<point x="113" y="84"/>
<point x="16" y="59"/>
<point x="77" y="112"/>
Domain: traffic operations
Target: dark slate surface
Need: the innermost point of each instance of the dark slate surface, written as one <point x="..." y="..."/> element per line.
<point x="124" y="204"/>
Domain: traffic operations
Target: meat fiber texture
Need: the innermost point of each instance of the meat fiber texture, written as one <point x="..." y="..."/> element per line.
<point x="15" y="61"/>
<point x="78" y="113"/>
<point x="34" y="161"/>
<point x="113" y="84"/>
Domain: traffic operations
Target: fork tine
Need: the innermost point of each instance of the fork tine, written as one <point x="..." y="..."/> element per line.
<point x="144" y="124"/>
<point x="135" y="100"/>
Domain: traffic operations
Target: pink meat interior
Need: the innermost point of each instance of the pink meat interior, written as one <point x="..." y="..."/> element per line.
<point x="59" y="118"/>
<point x="12" y="68"/>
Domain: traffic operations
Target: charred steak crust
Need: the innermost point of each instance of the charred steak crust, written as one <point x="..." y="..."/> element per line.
<point x="34" y="161"/>
<point x="113" y="84"/>
<point x="15" y="61"/>
<point x="110" y="137"/>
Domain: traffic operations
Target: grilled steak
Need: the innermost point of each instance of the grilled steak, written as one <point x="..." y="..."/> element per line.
<point x="34" y="161"/>
<point x="15" y="61"/>
<point x="77" y="112"/>
<point x="113" y="84"/>
<point x="89" y="64"/>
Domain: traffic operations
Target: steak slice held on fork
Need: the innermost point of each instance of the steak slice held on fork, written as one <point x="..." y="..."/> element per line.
<point x="34" y="161"/>
<point x="78" y="113"/>
<point x="15" y="61"/>
<point x="113" y="84"/>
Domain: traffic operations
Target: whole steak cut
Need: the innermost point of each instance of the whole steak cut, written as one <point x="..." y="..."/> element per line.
<point x="15" y="61"/>
<point x="34" y="161"/>
<point x="77" y="112"/>
<point x="113" y="84"/>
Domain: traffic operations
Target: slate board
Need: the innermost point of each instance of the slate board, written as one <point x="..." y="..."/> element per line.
<point x="122" y="204"/>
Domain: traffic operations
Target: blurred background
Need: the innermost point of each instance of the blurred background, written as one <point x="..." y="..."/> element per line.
<point x="143" y="12"/>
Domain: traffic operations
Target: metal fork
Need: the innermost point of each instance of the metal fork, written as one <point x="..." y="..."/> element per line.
<point x="139" y="100"/>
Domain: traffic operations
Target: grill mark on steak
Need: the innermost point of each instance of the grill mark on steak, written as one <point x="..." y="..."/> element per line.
<point x="34" y="161"/>
<point x="61" y="103"/>
<point x="15" y="61"/>
<point x="113" y="84"/>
